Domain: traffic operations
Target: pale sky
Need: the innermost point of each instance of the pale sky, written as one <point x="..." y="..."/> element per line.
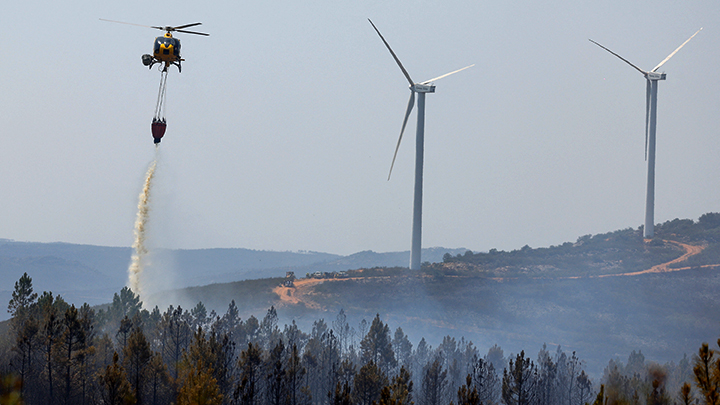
<point x="282" y="125"/>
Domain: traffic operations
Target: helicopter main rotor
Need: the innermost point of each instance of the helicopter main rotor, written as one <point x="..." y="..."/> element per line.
<point x="168" y="28"/>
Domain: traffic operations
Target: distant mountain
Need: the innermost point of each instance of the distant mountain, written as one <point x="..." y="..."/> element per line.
<point x="368" y="259"/>
<point x="92" y="274"/>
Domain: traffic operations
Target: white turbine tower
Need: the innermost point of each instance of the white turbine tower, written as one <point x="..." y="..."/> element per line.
<point x="652" y="77"/>
<point x="421" y="89"/>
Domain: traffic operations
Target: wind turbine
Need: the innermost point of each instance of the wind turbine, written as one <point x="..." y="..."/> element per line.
<point x="652" y="77"/>
<point x="421" y="89"/>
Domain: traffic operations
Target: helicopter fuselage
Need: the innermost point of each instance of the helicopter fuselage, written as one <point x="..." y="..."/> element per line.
<point x="166" y="50"/>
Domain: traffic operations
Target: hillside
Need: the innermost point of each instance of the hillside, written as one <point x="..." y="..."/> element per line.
<point x="92" y="274"/>
<point x="602" y="296"/>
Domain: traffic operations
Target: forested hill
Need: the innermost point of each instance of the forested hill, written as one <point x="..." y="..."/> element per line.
<point x="602" y="296"/>
<point x="623" y="251"/>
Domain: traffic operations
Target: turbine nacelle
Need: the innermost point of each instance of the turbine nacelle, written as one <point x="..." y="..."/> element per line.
<point x="655" y="76"/>
<point x="422" y="88"/>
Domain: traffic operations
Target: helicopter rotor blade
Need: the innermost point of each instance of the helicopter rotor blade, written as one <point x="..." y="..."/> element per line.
<point x="122" y="22"/>
<point x="192" y="32"/>
<point x="186" y="26"/>
<point x="168" y="29"/>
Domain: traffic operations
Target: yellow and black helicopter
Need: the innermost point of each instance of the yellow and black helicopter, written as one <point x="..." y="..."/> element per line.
<point x="166" y="49"/>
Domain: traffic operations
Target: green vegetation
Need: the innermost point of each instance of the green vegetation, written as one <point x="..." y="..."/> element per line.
<point x="621" y="251"/>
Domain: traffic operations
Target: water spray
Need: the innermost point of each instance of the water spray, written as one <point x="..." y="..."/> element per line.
<point x="140" y="251"/>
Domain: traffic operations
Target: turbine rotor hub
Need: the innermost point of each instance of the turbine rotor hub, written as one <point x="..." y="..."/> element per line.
<point x="422" y="88"/>
<point x="655" y="76"/>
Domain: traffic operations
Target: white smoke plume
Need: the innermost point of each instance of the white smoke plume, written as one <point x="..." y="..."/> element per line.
<point x="139" y="249"/>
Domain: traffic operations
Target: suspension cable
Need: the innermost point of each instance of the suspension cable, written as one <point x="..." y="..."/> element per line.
<point x="159" y="106"/>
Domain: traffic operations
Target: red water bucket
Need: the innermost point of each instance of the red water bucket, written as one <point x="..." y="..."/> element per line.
<point x="158" y="129"/>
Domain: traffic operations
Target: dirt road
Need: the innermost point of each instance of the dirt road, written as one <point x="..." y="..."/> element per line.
<point x="298" y="293"/>
<point x="690" y="250"/>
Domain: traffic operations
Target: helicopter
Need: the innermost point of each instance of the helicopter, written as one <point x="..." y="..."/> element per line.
<point x="166" y="49"/>
<point x="166" y="52"/>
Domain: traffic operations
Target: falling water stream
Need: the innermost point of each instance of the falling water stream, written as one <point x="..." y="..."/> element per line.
<point x="139" y="249"/>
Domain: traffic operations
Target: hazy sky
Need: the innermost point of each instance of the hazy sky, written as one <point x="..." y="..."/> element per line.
<point x="282" y="125"/>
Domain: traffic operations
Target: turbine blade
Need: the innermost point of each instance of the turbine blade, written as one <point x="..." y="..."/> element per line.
<point x="675" y="51"/>
<point x="393" y="54"/>
<point x="446" y="75"/>
<point x="647" y="115"/>
<point x="623" y="59"/>
<point x="410" y="106"/>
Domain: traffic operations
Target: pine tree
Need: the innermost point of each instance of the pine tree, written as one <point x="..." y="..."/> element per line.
<point x="71" y="343"/>
<point x="686" y="395"/>
<point x="269" y="332"/>
<point x="136" y="356"/>
<point x="342" y="331"/>
<point x="293" y="336"/>
<point x="466" y="396"/>
<point x="247" y="389"/>
<point x="707" y="374"/>
<point x="116" y="388"/>
<point x="434" y="383"/>
<point x="342" y="394"/>
<point x="175" y="335"/>
<point x="584" y="388"/>
<point x="485" y="380"/>
<point x="199" y="316"/>
<point x="376" y="346"/>
<point x="23" y="296"/>
<point x="225" y="361"/>
<point x="126" y="327"/>
<point x="369" y="382"/>
<point x="25" y="325"/>
<point x="51" y="330"/>
<point x="86" y="349"/>
<point x="126" y="304"/>
<point x="27" y="343"/>
<point x="275" y="382"/>
<point x="295" y="373"/>
<point x="399" y="392"/>
<point x="546" y="384"/>
<point x="518" y="385"/>
<point x="402" y="347"/>
<point x="158" y="381"/>
<point x="199" y="387"/>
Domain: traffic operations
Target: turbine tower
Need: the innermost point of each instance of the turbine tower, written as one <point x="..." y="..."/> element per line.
<point x="421" y="89"/>
<point x="652" y="77"/>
